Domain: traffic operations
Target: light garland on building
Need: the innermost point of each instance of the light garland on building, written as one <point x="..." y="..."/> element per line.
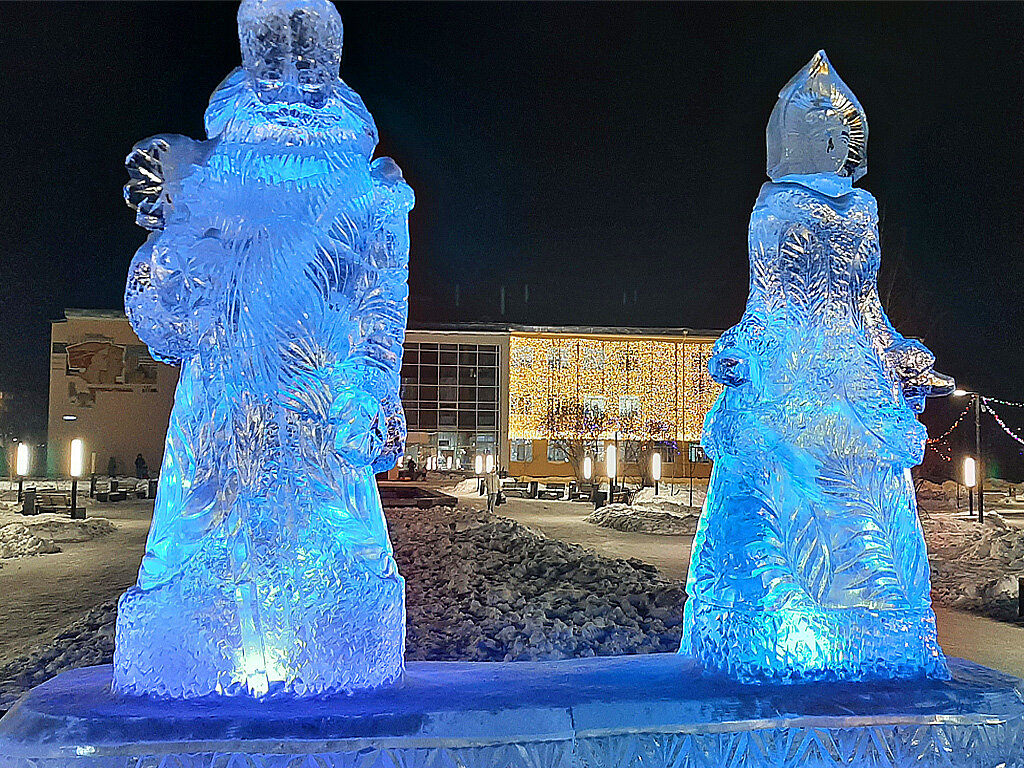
<point x="592" y="387"/>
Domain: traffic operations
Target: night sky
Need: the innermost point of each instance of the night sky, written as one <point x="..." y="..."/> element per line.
<point x="605" y="155"/>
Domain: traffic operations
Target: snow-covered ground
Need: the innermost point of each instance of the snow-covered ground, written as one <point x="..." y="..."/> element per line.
<point x="478" y="587"/>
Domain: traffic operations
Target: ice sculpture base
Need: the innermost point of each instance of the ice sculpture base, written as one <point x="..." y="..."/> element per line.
<point x="623" y="712"/>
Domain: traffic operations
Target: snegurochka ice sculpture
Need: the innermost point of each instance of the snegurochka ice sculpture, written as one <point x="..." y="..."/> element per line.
<point x="809" y="562"/>
<point x="276" y="276"/>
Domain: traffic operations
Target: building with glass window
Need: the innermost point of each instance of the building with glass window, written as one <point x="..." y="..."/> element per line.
<point x="542" y="399"/>
<point x="538" y="399"/>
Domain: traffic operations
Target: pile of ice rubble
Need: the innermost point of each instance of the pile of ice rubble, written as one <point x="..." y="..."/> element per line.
<point x="478" y="588"/>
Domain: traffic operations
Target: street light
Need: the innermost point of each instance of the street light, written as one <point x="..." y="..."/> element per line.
<point x="980" y="469"/>
<point x="609" y="462"/>
<point x="656" y="470"/>
<point x="489" y="463"/>
<point x="77" y="459"/>
<point x="970" y="480"/>
<point x="22" y="465"/>
<point x="588" y="468"/>
<point x="478" y="464"/>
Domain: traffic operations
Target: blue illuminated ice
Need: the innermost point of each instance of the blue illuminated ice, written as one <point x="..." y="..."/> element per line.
<point x="809" y="562"/>
<point x="276" y="276"/>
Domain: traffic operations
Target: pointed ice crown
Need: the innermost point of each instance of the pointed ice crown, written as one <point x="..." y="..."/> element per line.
<point x="817" y="125"/>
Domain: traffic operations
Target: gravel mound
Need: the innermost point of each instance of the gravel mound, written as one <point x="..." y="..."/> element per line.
<point x="478" y="588"/>
<point x="636" y="519"/>
<point x="16" y="540"/>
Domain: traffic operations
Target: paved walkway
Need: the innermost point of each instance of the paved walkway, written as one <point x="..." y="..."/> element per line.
<point x="992" y="643"/>
<point x="40" y="596"/>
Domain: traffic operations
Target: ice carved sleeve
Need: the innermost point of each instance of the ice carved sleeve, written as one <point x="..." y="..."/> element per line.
<point x="383" y="308"/>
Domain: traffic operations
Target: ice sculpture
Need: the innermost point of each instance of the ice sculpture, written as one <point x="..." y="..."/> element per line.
<point x="809" y="561"/>
<point x="276" y="275"/>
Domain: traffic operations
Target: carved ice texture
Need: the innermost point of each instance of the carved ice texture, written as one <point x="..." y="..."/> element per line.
<point x="809" y="562"/>
<point x="276" y="276"/>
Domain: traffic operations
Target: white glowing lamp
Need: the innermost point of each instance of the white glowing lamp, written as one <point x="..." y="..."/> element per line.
<point x="610" y="461"/>
<point x="960" y="392"/>
<point x="478" y="464"/>
<point x="449" y="462"/>
<point x="77" y="457"/>
<point x="23" y="460"/>
<point x="588" y="468"/>
<point x="970" y="473"/>
<point x="489" y="463"/>
<point x="656" y="466"/>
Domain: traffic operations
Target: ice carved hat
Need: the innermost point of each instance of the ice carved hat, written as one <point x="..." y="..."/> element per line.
<point x="817" y="125"/>
<point x="290" y="45"/>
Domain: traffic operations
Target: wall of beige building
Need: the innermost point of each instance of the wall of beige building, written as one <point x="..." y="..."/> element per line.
<point x="105" y="389"/>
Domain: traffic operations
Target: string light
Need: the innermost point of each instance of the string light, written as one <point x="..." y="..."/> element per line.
<point x="955" y="424"/>
<point x="1001" y="423"/>
<point x="1002" y="402"/>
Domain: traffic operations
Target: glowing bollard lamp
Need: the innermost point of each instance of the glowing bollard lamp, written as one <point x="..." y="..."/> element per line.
<point x="22" y="464"/>
<point x="76" y="464"/>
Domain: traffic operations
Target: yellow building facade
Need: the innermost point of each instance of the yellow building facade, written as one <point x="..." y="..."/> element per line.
<point x="578" y="390"/>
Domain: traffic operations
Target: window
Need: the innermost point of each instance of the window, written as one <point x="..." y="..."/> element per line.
<point x="667" y="451"/>
<point x="593" y="410"/>
<point x="697" y="454"/>
<point x="557" y="452"/>
<point x="593" y="359"/>
<point x="522" y="358"/>
<point x="630" y="452"/>
<point x="558" y="358"/>
<point x="522" y="450"/>
<point x="629" y="407"/>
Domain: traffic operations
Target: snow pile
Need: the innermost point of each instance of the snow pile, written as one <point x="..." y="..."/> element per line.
<point x="478" y="588"/>
<point x="64" y="530"/>
<point x="646" y="519"/>
<point x="16" y="540"/>
<point x="469" y="486"/>
<point x="975" y="567"/>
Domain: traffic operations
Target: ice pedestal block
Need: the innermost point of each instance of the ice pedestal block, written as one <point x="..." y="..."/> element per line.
<point x="276" y="276"/>
<point x="808" y="561"/>
<point x="655" y="711"/>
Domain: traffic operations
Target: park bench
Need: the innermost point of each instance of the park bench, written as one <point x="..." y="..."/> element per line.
<point x="53" y="501"/>
<point x="520" y="489"/>
<point x="553" y="491"/>
<point x="582" y="491"/>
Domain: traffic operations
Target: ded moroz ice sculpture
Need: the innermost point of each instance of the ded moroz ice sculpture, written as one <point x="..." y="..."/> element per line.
<point x="809" y="561"/>
<point x="276" y="276"/>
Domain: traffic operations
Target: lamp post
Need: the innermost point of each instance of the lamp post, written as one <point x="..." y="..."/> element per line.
<point x="970" y="480"/>
<point x="656" y="470"/>
<point x="77" y="457"/>
<point x="21" y="467"/>
<point x="977" y="449"/>
<point x="611" y="470"/>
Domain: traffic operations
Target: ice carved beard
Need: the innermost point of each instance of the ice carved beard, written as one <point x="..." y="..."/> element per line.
<point x="341" y="126"/>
